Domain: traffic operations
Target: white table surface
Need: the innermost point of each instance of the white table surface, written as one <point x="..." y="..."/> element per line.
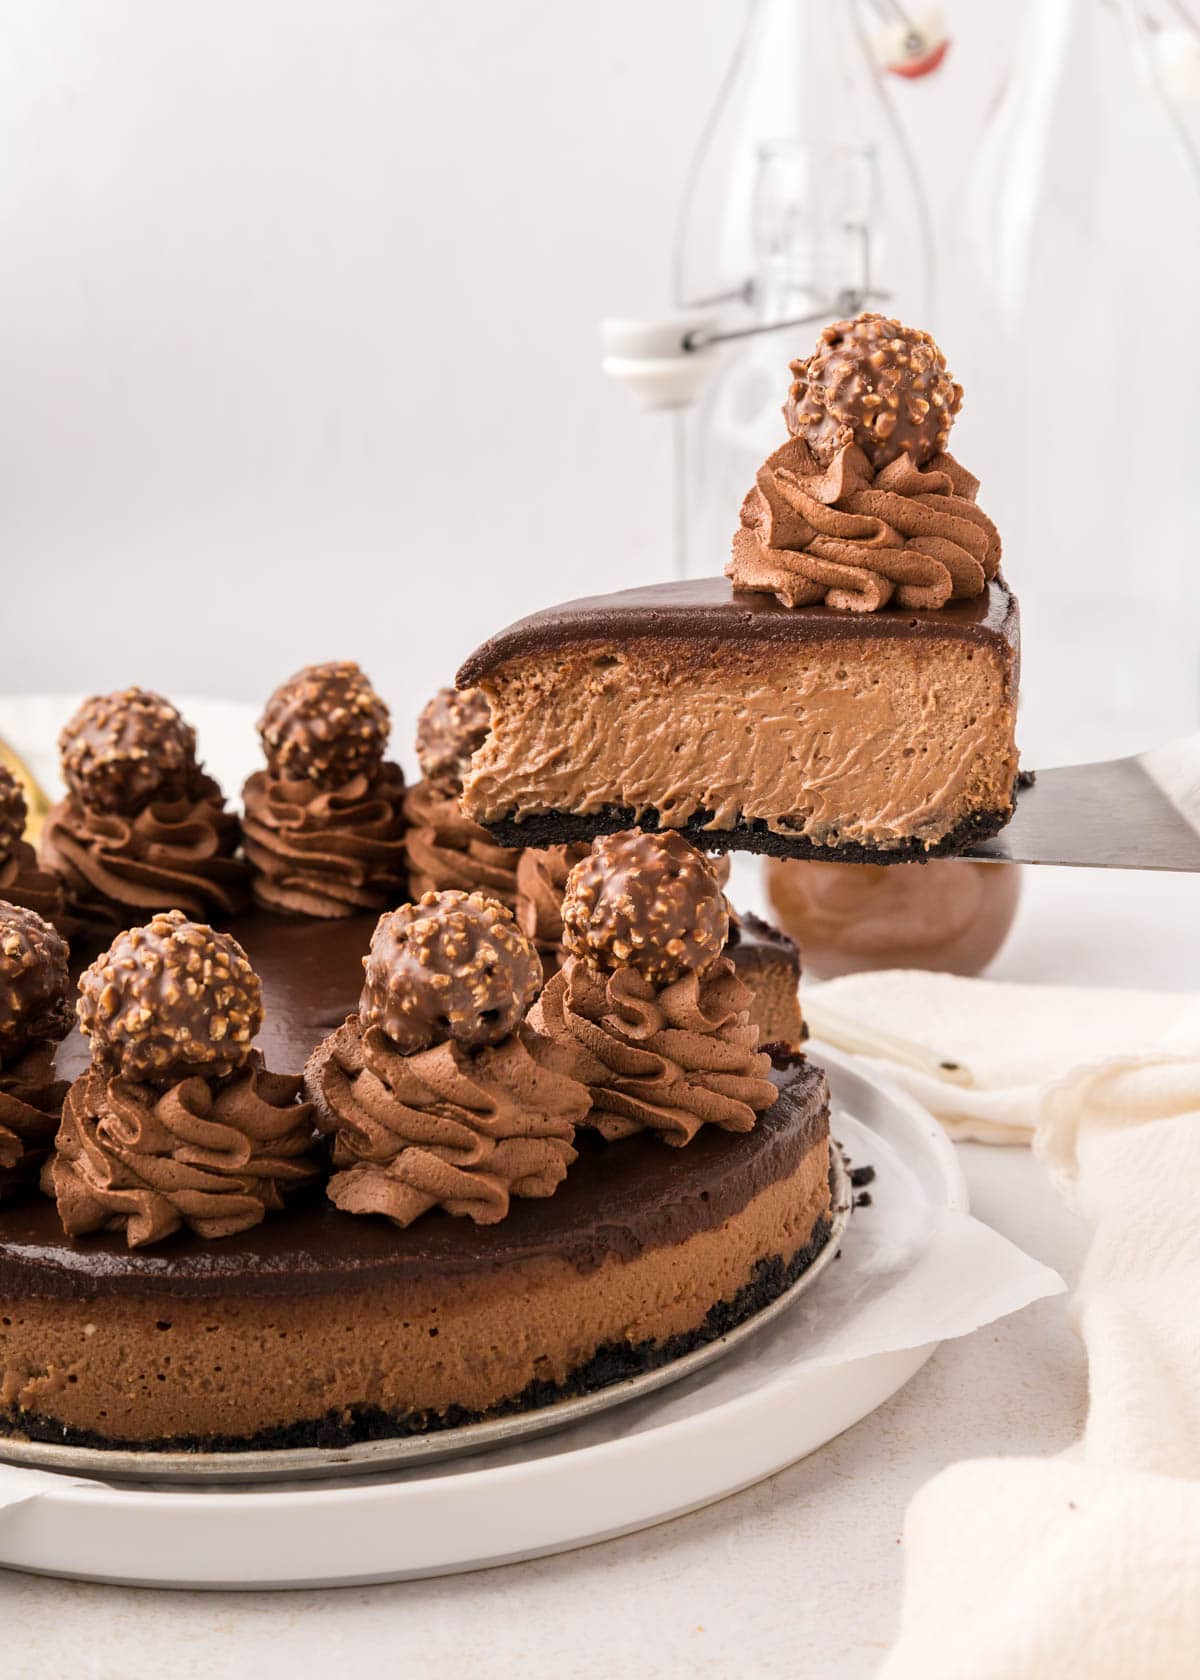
<point x="799" y="1576"/>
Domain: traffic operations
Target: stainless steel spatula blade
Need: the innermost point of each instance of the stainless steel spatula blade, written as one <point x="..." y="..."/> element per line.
<point x="1126" y="813"/>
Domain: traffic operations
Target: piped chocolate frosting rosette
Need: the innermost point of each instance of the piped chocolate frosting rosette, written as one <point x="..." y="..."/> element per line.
<point x="22" y="879"/>
<point x="176" y="1122"/>
<point x="142" y="828"/>
<point x="34" y="1014"/>
<point x="863" y="506"/>
<point x="647" y="1005"/>
<point x="541" y="882"/>
<point x="447" y="852"/>
<point x="324" y="822"/>
<point x="437" y="1093"/>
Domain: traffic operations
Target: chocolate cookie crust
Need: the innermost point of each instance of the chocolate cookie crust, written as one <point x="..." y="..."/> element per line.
<point x="557" y="828"/>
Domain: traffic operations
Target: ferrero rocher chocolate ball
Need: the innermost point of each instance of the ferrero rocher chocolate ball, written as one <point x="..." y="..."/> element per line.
<point x="645" y="901"/>
<point x="325" y="725"/>
<point x="34" y="981"/>
<point x="170" y="999"/>
<point x="452" y="726"/>
<point x="12" y="812"/>
<point x="453" y="966"/>
<point x="881" y="384"/>
<point x="123" y="751"/>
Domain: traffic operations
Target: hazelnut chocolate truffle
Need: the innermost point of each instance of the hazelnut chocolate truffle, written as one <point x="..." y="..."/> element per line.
<point x="171" y="999"/>
<point x="12" y="812"/>
<point x="124" y="751"/>
<point x="647" y="901"/>
<point x="450" y="729"/>
<point x="34" y="981"/>
<point x="883" y="385"/>
<point x="325" y="725"/>
<point x="454" y="966"/>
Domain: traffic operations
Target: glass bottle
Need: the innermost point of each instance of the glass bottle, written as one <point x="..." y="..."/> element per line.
<point x="803" y="204"/>
<point x="1072" y="265"/>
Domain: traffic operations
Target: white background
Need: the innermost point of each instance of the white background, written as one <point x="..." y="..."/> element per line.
<point x="299" y="304"/>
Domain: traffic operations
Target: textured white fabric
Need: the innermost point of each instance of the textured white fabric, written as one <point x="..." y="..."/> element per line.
<point x="1007" y="1044"/>
<point x="1085" y="1567"/>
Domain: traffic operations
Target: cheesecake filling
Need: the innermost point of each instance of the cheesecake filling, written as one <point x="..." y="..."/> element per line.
<point x="836" y="741"/>
<point x="96" y="1366"/>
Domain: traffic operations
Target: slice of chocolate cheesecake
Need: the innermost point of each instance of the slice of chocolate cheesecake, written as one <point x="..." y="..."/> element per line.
<point x="798" y="731"/>
<point x="850" y="692"/>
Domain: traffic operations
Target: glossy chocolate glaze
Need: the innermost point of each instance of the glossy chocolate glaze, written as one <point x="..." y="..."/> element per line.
<point x="750" y="938"/>
<point x="620" y="1199"/>
<point x="311" y="972"/>
<point x="711" y="610"/>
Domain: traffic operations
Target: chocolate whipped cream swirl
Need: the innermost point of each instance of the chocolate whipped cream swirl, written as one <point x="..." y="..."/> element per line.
<point x="447" y="852"/>
<point x="856" y="539"/>
<point x="326" y="852"/>
<point x="24" y="882"/>
<point x="31" y="1101"/>
<point x="541" y="882"/>
<point x="214" y="1157"/>
<point x="174" y="854"/>
<point x="447" y="1127"/>
<point x="668" y="1059"/>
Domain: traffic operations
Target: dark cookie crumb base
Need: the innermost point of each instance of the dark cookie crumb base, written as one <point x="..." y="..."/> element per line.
<point x="555" y="828"/>
<point x="610" y="1364"/>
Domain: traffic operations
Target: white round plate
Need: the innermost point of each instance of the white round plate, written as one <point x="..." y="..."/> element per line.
<point x="736" y="1422"/>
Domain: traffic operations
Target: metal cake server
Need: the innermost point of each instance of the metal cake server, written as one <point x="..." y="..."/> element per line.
<point x="1126" y="813"/>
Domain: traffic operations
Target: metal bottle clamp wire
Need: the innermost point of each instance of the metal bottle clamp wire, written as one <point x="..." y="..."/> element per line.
<point x="847" y="302"/>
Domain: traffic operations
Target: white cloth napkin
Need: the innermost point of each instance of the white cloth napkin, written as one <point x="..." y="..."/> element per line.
<point x="981" y="1055"/>
<point x="1086" y="1565"/>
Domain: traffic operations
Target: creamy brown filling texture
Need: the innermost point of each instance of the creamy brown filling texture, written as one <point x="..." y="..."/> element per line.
<point x="135" y="1370"/>
<point x="838" y="741"/>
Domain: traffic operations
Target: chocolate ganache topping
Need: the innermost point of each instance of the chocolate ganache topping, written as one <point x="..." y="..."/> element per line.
<point x="34" y="1014"/>
<point x="142" y="828"/>
<point x="648" y="1008"/>
<point x="324" y="822"/>
<point x="22" y="880"/>
<point x="437" y="1093"/>
<point x="446" y="850"/>
<point x="863" y="506"/>
<point x="176" y="1122"/>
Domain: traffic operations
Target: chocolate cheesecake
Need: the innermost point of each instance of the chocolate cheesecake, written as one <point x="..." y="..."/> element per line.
<point x="847" y="691"/>
<point x="318" y="1328"/>
<point x="800" y="732"/>
<point x="208" y="1281"/>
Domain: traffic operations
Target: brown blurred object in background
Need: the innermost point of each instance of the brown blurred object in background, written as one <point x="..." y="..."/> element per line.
<point x="850" y="917"/>
<point x="37" y="802"/>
